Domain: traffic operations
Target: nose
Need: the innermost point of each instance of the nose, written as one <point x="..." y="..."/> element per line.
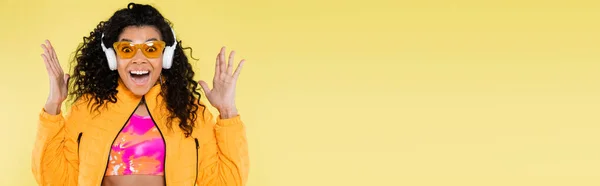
<point x="139" y="57"/>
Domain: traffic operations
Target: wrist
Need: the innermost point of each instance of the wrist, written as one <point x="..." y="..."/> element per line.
<point x="52" y="108"/>
<point x="227" y="113"/>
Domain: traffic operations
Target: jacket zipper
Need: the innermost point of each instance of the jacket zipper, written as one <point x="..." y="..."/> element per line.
<point x="164" y="142"/>
<point x="113" y="141"/>
<point x="197" y="148"/>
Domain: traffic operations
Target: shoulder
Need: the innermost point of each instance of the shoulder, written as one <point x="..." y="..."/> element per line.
<point x="82" y="105"/>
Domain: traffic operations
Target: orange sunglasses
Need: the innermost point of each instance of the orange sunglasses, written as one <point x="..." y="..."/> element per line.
<point x="151" y="49"/>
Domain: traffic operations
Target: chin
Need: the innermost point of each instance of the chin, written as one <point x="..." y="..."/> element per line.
<point x="139" y="92"/>
<point x="136" y="89"/>
<point x="139" y="80"/>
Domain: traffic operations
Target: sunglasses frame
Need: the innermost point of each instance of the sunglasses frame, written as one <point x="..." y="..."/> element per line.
<point x="159" y="45"/>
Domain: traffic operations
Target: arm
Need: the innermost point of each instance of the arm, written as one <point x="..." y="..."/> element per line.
<point x="55" y="158"/>
<point x="223" y="153"/>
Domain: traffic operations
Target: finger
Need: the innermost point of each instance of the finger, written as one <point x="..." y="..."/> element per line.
<point x="50" y="50"/>
<point x="204" y="86"/>
<point x="217" y="68"/>
<point x="53" y="54"/>
<point x="47" y="64"/>
<point x="230" y="63"/>
<point x="51" y="64"/>
<point x="66" y="78"/>
<point x="222" y="65"/>
<point x="236" y="74"/>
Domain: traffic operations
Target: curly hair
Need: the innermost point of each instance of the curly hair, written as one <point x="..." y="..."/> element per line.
<point x="92" y="77"/>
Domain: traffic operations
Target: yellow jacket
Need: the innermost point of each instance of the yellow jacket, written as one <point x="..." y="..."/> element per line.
<point x="75" y="150"/>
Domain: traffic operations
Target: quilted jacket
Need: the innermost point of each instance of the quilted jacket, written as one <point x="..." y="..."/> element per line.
<point x="74" y="150"/>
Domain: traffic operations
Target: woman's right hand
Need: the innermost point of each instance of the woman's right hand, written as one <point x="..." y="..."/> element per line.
<point x="58" y="80"/>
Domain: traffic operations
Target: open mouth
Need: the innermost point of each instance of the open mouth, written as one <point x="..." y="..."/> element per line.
<point x="140" y="77"/>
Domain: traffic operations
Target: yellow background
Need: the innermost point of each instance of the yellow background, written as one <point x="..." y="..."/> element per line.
<point x="374" y="92"/>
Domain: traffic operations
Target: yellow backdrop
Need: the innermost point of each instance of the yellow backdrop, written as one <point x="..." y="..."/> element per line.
<point x="375" y="92"/>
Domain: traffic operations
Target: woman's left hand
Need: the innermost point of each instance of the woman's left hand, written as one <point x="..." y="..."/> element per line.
<point x="222" y="95"/>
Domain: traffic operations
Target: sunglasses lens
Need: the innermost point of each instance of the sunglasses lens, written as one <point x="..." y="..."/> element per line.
<point x="153" y="49"/>
<point x="125" y="50"/>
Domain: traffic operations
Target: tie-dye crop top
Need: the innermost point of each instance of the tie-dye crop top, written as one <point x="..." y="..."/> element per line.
<point x="138" y="150"/>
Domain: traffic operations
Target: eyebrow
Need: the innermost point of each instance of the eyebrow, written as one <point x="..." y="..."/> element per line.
<point x="151" y="39"/>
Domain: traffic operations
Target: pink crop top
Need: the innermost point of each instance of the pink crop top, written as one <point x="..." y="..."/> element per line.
<point x="138" y="150"/>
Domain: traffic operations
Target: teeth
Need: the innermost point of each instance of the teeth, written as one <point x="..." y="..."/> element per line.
<point x="139" y="72"/>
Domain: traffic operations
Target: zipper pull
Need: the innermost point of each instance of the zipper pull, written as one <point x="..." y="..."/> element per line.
<point x="79" y="137"/>
<point x="197" y="144"/>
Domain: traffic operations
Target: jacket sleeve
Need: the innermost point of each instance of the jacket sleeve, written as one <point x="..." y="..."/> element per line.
<point x="55" y="158"/>
<point x="223" y="152"/>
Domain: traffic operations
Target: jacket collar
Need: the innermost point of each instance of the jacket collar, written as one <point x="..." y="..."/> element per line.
<point x="127" y="101"/>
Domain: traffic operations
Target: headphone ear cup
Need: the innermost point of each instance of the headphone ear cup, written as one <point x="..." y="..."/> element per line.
<point x="111" y="58"/>
<point x="168" y="57"/>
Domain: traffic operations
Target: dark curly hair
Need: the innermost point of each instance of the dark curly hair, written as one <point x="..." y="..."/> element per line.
<point x="92" y="77"/>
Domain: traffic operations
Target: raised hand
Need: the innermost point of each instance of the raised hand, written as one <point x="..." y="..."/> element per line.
<point x="58" y="80"/>
<point x="222" y="95"/>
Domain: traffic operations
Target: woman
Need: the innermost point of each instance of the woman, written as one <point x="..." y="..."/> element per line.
<point x="135" y="117"/>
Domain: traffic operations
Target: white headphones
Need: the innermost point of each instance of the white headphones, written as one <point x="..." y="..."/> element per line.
<point x="167" y="54"/>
